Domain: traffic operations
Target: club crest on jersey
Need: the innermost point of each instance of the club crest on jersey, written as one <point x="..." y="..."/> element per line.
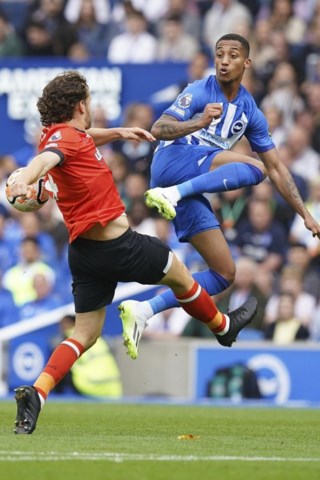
<point x="55" y="136"/>
<point x="237" y="127"/>
<point x="185" y="100"/>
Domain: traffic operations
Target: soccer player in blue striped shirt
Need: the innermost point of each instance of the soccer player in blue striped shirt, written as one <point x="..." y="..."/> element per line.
<point x="195" y="156"/>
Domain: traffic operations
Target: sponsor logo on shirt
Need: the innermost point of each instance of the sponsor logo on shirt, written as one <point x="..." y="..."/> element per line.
<point x="185" y="100"/>
<point x="55" y="137"/>
<point x="237" y="127"/>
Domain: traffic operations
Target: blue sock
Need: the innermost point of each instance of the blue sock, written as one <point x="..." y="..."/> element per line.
<point x="227" y="177"/>
<point x="211" y="281"/>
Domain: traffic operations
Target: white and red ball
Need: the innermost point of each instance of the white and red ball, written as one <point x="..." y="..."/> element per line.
<point x="39" y="195"/>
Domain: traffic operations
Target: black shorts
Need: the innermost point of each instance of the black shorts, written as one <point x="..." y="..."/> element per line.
<point x="97" y="266"/>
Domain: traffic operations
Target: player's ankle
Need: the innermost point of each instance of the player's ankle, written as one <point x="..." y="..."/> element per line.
<point x="145" y="310"/>
<point x="172" y="194"/>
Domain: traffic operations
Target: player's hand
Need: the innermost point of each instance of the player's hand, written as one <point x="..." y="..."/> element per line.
<point x="211" y="112"/>
<point x="19" y="189"/>
<point x="313" y="225"/>
<point x="138" y="134"/>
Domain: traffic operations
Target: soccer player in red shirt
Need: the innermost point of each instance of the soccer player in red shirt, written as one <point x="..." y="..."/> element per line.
<point x="103" y="250"/>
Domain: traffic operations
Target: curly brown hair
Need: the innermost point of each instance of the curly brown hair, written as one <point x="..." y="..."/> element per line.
<point x="60" y="96"/>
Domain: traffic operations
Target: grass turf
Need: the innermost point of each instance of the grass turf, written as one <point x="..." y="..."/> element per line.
<point x="139" y="442"/>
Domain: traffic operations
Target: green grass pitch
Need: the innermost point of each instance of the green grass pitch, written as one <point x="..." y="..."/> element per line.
<point x="120" y="441"/>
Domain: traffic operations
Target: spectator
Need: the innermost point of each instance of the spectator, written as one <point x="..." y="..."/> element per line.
<point x="167" y="325"/>
<point x="90" y="18"/>
<point x="192" y="329"/>
<point x="281" y="52"/>
<point x="135" y="186"/>
<point x="47" y="27"/>
<point x="101" y="9"/>
<point x="224" y="16"/>
<point x="315" y="326"/>
<point x="264" y="281"/>
<point x="254" y="85"/>
<point x="20" y="157"/>
<point x="230" y="208"/>
<point x="7" y="248"/>
<point x="99" y="117"/>
<point x="298" y="257"/>
<point x="286" y="328"/>
<point x="291" y="281"/>
<point x="45" y="298"/>
<point x="38" y="40"/>
<point x="197" y="69"/>
<point x="165" y="231"/>
<point x="9" y="312"/>
<point x="305" y="9"/>
<point x="10" y="43"/>
<point x="117" y="163"/>
<point x="136" y="44"/>
<point x="274" y="116"/>
<point x="254" y="6"/>
<point x="262" y="238"/>
<point x="78" y="52"/>
<point x="31" y="228"/>
<point x="137" y="154"/>
<point x="96" y="374"/>
<point x="174" y="43"/>
<point x="312" y="93"/>
<point x="311" y="50"/>
<point x="283" y="18"/>
<point x="297" y="233"/>
<point x="52" y="225"/>
<point x="306" y="161"/>
<point x="19" y="278"/>
<point x="63" y="283"/>
<point x="139" y="219"/>
<point x="153" y="10"/>
<point x="284" y="93"/>
<point x="189" y="13"/>
<point x="243" y="287"/>
<point x="7" y="166"/>
<point x="283" y="213"/>
<point x="264" y="191"/>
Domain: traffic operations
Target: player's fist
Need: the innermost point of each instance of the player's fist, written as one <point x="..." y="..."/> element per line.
<point x="211" y="112"/>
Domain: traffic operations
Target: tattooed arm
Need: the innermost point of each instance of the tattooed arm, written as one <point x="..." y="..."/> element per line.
<point x="284" y="183"/>
<point x="169" y="128"/>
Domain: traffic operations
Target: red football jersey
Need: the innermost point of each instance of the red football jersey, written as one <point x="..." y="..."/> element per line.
<point x="82" y="184"/>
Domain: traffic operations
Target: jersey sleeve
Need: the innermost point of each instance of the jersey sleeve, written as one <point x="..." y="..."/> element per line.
<point x="191" y="100"/>
<point x="258" y="133"/>
<point x="64" y="141"/>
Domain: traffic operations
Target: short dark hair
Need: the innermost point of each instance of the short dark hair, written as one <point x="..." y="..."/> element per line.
<point x="60" y="96"/>
<point x="30" y="239"/>
<point x="237" y="38"/>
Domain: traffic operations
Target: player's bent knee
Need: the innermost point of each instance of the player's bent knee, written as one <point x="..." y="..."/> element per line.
<point x="178" y="278"/>
<point x="261" y="166"/>
<point x="229" y="275"/>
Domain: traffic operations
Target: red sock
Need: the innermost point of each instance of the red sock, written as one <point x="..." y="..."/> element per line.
<point x="198" y="304"/>
<point x="58" y="365"/>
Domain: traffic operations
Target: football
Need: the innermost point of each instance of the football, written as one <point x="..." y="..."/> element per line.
<point x="39" y="195"/>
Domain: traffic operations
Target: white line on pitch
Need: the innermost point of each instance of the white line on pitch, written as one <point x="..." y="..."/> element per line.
<point x="20" y="456"/>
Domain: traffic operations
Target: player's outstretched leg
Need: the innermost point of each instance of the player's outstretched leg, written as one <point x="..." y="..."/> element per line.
<point x="155" y="198"/>
<point x="239" y="318"/>
<point x="133" y="326"/>
<point x="28" y="409"/>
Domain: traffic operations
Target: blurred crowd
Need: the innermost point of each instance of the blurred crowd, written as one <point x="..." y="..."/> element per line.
<point x="277" y="259"/>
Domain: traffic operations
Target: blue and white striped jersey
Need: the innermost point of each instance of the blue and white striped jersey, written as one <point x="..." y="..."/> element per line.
<point x="240" y="117"/>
